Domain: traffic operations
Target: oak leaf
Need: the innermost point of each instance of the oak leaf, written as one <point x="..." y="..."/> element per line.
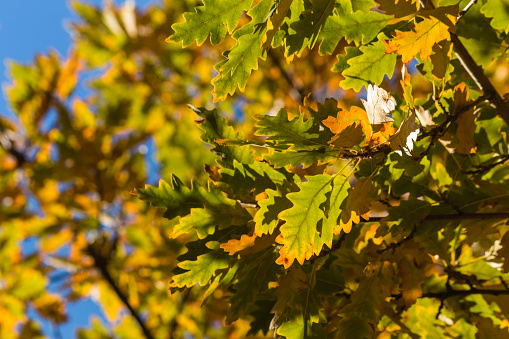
<point x="356" y="205"/>
<point x="379" y="104"/>
<point x="406" y="135"/>
<point x="418" y="41"/>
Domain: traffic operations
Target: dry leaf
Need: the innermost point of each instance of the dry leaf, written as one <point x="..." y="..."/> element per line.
<point x="424" y="117"/>
<point x="379" y="104"/>
<point x="406" y="135"/>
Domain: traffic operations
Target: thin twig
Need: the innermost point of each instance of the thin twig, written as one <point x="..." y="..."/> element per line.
<point x="465" y="10"/>
<point x="334" y="248"/>
<point x="485" y="168"/>
<point x="455" y="293"/>
<point x="465" y="216"/>
<point x="395" y="245"/>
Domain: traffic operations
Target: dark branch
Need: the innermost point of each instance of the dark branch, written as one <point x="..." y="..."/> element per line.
<point x="101" y="264"/>
<point x="334" y="248"/>
<point x="464" y="293"/>
<point x="465" y="216"/>
<point x="482" y="81"/>
<point x="484" y="168"/>
<point x="395" y="245"/>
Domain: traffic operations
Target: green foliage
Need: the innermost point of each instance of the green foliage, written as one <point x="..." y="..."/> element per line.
<point x="298" y="219"/>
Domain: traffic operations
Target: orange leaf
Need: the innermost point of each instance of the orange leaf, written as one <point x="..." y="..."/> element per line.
<point x="419" y="41"/>
<point x="249" y="244"/>
<point x="345" y="119"/>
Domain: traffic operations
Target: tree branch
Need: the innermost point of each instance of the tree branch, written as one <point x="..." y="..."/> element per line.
<point x="334" y="248"/>
<point x="476" y="72"/>
<point x="464" y="293"/>
<point x="465" y="216"/>
<point x="101" y="264"/>
<point x="484" y="168"/>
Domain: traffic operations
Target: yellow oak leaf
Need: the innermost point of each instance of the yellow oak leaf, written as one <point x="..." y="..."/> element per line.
<point x="465" y="132"/>
<point x="418" y="41"/>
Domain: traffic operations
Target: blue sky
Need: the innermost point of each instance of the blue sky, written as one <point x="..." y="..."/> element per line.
<point x="28" y="27"/>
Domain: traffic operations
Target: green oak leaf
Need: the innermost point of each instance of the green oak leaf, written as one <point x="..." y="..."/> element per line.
<point x="201" y="270"/>
<point x="267" y="217"/>
<point x="307" y="29"/>
<point x="299" y="232"/>
<point x="204" y="220"/>
<point x="256" y="177"/>
<point x="499" y="11"/>
<point x="215" y="17"/>
<point x="276" y="20"/>
<point x="342" y="63"/>
<point x="359" y="27"/>
<point x="215" y="127"/>
<point x="295" y="133"/>
<point x="338" y="194"/>
<point x="243" y="57"/>
<point x="297" y="158"/>
<point x="370" y="67"/>
<point x="178" y="199"/>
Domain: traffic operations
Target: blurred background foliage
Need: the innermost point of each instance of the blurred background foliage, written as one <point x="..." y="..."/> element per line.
<point x="110" y="116"/>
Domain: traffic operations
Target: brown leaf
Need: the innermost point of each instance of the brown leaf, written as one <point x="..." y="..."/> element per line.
<point x="356" y="205"/>
<point x="349" y="137"/>
<point x="406" y="135"/>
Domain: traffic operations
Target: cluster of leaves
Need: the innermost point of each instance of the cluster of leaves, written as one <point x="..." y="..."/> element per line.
<point x="278" y="229"/>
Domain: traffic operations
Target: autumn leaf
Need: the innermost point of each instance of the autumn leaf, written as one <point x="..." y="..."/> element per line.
<point x="356" y="205"/>
<point x="418" y="41"/>
<point x="378" y="105"/>
<point x="248" y="244"/>
<point x="299" y="232"/>
<point x="356" y="116"/>
<point x="349" y="137"/>
<point x="465" y="132"/>
<point x="406" y="135"/>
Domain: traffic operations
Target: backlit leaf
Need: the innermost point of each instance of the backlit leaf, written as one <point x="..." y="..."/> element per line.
<point x="369" y="67"/>
<point x="215" y="17"/>
<point x="299" y="232"/>
<point x="418" y="41"/>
